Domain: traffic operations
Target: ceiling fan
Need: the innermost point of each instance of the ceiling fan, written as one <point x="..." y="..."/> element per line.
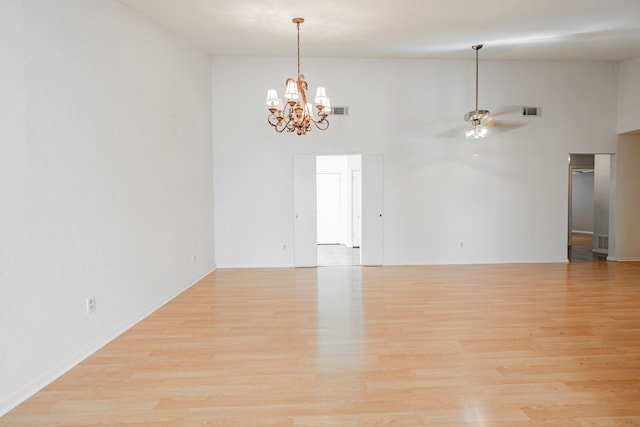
<point x="477" y="118"/>
<point x="481" y="120"/>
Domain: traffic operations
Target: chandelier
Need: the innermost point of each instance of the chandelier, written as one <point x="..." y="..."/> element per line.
<point x="296" y="113"/>
<point x="478" y="118"/>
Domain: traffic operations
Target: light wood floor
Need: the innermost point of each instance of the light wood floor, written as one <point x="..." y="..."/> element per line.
<point x="331" y="255"/>
<point x="496" y="345"/>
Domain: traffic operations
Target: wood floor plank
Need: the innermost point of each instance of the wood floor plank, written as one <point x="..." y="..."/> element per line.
<point x="484" y="345"/>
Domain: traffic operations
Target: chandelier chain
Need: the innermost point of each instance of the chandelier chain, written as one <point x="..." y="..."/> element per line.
<point x="298" y="25"/>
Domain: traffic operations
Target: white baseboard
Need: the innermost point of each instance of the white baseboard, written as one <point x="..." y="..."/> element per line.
<point x="229" y="266"/>
<point x="623" y="259"/>
<point x="582" y="232"/>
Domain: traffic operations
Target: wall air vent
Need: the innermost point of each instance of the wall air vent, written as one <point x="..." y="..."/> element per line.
<point x="531" y="111"/>
<point x="339" y="111"/>
<point x="603" y="241"/>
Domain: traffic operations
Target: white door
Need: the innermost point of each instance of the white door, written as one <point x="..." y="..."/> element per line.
<point x="372" y="248"/>
<point x="328" y="206"/>
<point x="304" y="211"/>
<point x="356" y="207"/>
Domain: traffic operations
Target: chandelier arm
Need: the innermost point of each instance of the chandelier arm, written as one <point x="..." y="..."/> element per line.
<point x="271" y="117"/>
<point x="279" y="127"/>
<point x="290" y="114"/>
<point x="291" y="124"/>
<point x="321" y="125"/>
<point x="286" y="83"/>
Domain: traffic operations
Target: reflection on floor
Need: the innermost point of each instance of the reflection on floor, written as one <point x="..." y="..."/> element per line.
<point x="338" y="255"/>
<point x="581" y="249"/>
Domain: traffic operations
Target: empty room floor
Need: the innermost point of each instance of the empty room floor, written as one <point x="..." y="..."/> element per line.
<point x="338" y="255"/>
<point x="491" y="345"/>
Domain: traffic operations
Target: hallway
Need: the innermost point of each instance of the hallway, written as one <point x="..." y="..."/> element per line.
<point x="581" y="249"/>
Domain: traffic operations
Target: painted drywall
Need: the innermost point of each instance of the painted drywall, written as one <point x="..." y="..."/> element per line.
<point x="106" y="182"/>
<point x="629" y="96"/>
<point x="601" y="206"/>
<point x="354" y="200"/>
<point x="447" y="199"/>
<point x="626" y="194"/>
<point x="582" y="205"/>
<point x="332" y="166"/>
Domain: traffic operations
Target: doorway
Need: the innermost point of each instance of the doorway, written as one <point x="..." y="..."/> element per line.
<point x="305" y="212"/>
<point x="338" y="204"/>
<point x="588" y="216"/>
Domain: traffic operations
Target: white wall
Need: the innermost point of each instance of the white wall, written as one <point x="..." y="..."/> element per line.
<point x="582" y="205"/>
<point x="354" y="220"/>
<point x="601" y="207"/>
<point x="626" y="194"/>
<point x="505" y="198"/>
<point x="105" y="180"/>
<point x="629" y="96"/>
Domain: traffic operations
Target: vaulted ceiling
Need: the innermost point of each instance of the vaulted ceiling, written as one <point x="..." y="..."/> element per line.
<point x="596" y="30"/>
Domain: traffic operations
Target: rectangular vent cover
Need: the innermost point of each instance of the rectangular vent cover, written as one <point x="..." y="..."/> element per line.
<point x="603" y="241"/>
<point x="531" y="111"/>
<point x="339" y="111"/>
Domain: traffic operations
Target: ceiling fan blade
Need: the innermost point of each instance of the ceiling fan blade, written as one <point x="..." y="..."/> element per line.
<point x="499" y="121"/>
<point x="451" y="132"/>
<point x="508" y="110"/>
<point x="504" y="126"/>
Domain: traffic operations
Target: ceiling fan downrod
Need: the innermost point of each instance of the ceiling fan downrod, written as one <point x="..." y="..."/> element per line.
<point x="477" y="47"/>
<point x="477" y="117"/>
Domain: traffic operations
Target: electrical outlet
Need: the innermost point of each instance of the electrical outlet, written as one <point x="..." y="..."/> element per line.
<point x="91" y="305"/>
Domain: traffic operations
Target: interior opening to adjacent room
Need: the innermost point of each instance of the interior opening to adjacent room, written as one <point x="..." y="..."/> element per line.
<point x="305" y="210"/>
<point x="339" y="208"/>
<point x="588" y="213"/>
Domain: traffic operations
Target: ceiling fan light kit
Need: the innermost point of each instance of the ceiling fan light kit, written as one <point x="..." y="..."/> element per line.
<point x="477" y="129"/>
<point x="295" y="114"/>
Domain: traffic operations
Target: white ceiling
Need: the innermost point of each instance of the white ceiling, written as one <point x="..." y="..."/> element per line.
<point x="600" y="30"/>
